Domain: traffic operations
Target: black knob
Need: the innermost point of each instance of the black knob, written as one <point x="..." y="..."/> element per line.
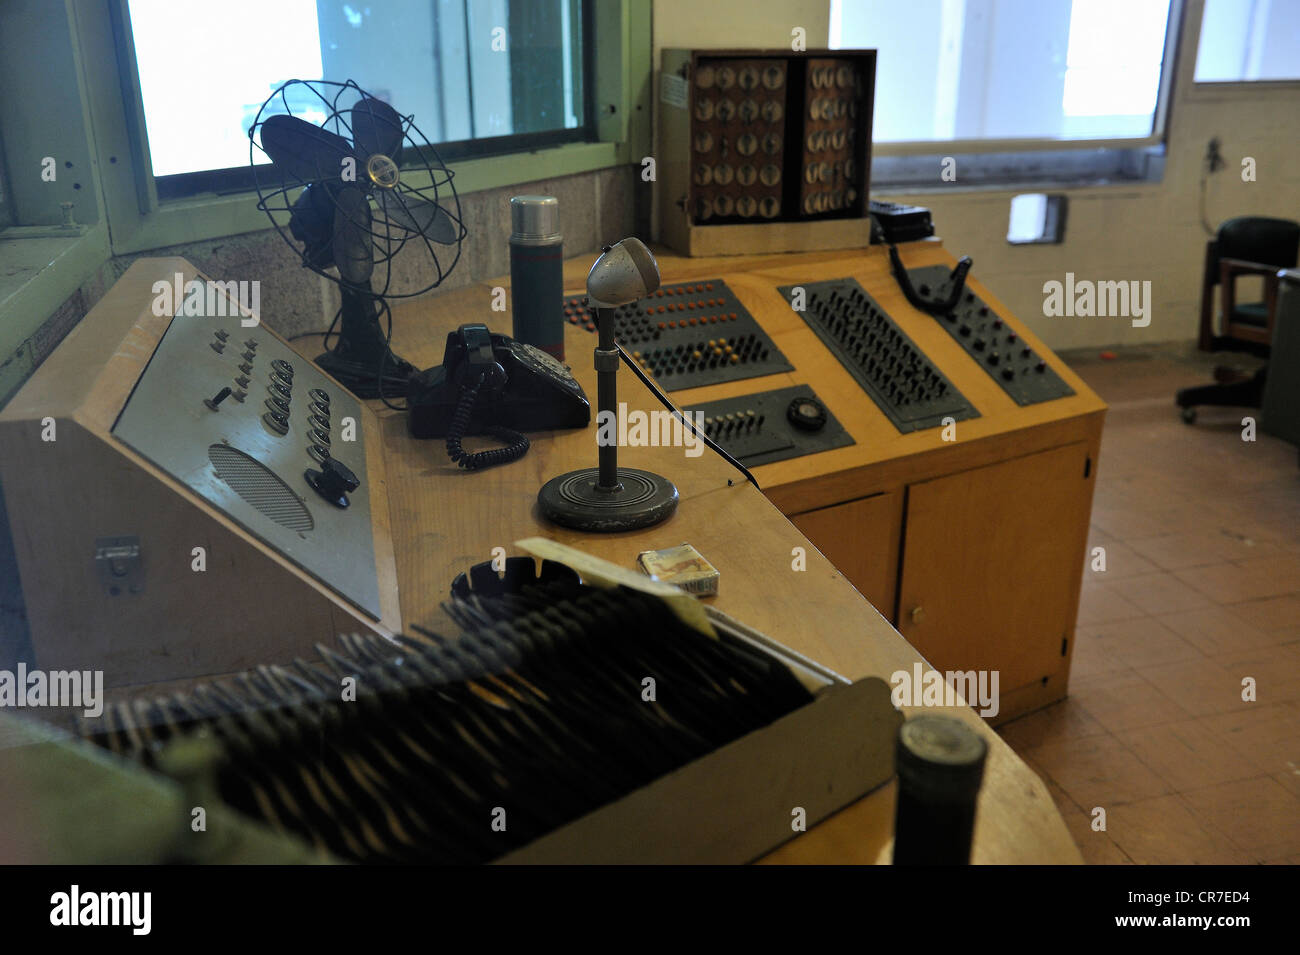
<point x="276" y="422"/>
<point x="334" y="481"/>
<point x="806" y="414"/>
<point x="216" y="399"/>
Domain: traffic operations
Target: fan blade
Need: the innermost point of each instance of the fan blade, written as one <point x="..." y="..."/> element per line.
<point x="309" y="153"/>
<point x="312" y="224"/>
<point x="353" y="252"/>
<point x="418" y="216"/>
<point x="312" y="221"/>
<point x="376" y="128"/>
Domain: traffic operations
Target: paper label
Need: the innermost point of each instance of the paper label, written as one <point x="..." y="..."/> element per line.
<point x="672" y="90"/>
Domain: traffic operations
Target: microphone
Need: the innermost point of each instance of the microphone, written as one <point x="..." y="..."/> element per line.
<point x="608" y="498"/>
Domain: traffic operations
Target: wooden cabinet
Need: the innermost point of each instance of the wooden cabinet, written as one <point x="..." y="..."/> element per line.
<point x="991" y="565"/>
<point x="861" y="539"/>
<point x="979" y="570"/>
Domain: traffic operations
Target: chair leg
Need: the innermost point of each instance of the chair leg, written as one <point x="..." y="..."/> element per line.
<point x="1238" y="394"/>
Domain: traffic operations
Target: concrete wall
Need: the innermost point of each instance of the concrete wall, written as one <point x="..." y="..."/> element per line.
<point x="596" y="208"/>
<point x="1149" y="233"/>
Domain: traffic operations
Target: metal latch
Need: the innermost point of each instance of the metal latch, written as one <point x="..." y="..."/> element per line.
<point x="120" y="567"/>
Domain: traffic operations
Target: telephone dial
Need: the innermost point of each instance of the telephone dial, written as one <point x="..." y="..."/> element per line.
<point x="491" y="384"/>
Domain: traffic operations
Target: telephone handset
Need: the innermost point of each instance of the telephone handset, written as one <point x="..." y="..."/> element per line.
<point x="491" y="384"/>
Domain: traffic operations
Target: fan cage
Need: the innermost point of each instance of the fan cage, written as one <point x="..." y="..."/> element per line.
<point x="388" y="238"/>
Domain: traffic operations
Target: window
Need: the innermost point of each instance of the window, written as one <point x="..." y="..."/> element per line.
<point x="971" y="70"/>
<point x="479" y="76"/>
<point x="1249" y="41"/>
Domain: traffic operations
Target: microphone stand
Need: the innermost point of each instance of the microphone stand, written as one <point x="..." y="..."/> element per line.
<point x="607" y="498"/>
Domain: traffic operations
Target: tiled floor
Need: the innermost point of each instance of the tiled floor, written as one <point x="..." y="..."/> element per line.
<point x="1201" y="590"/>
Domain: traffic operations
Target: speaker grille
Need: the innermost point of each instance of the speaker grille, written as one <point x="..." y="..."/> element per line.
<point x="261" y="487"/>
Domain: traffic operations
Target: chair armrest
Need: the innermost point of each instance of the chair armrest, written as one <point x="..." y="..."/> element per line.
<point x="1231" y="267"/>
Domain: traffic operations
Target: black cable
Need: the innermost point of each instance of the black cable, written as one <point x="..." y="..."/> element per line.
<point x="957" y="277"/>
<point x="1205" y="222"/>
<point x="517" y="444"/>
<point x="383" y="359"/>
<point x="672" y="409"/>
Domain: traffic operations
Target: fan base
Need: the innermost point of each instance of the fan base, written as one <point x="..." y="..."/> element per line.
<point x="362" y="377"/>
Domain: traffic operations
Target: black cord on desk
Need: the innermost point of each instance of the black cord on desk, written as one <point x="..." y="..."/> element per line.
<point x="672" y="409"/>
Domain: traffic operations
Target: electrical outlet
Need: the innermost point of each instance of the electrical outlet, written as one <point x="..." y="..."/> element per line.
<point x="1213" y="156"/>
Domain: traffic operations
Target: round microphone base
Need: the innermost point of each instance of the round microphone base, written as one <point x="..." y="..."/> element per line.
<point x="642" y="499"/>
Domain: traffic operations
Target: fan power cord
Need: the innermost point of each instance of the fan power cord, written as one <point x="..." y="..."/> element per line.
<point x="517" y="444"/>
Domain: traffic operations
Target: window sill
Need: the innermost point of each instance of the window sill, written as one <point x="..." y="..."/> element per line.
<point x="212" y="217"/>
<point x="1136" y="167"/>
<point x="43" y="269"/>
<point x="1228" y="91"/>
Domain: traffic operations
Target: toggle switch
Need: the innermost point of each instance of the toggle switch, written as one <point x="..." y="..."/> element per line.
<point x="216" y="399"/>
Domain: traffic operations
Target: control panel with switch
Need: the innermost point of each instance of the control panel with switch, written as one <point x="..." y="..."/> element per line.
<point x="689" y="334"/>
<point x="1009" y="360"/>
<point x="772" y="425"/>
<point x="265" y="436"/>
<point x="904" y="383"/>
<point x="189" y="495"/>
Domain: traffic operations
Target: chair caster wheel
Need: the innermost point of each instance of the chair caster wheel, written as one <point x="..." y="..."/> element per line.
<point x="1189" y="415"/>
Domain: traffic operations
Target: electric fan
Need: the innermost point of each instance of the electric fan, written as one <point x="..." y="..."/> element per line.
<point x="349" y="194"/>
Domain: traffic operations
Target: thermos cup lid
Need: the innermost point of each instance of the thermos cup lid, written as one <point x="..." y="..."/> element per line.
<point x="940" y="759"/>
<point x="535" y="217"/>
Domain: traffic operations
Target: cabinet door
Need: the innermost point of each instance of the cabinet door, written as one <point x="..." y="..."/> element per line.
<point x="861" y="539"/>
<point x="992" y="563"/>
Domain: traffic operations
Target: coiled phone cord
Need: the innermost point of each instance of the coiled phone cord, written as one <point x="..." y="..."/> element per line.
<point x="517" y="444"/>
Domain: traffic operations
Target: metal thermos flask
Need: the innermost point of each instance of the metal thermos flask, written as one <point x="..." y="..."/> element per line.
<point x="537" y="273"/>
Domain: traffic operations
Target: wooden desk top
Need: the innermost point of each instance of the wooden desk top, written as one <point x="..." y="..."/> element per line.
<point x="445" y="519"/>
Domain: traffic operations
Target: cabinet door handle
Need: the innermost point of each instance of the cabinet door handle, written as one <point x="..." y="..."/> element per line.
<point x="918" y="614"/>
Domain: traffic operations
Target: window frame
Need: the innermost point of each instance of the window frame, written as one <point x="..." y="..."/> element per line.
<point x="1205" y="90"/>
<point x="119" y="212"/>
<point x="140" y="220"/>
<point x="907" y="164"/>
<point x="241" y="179"/>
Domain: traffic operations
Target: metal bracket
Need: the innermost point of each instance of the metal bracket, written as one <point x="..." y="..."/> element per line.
<point x="121" y="569"/>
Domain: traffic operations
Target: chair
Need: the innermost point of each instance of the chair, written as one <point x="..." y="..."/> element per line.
<point x="1247" y="245"/>
<point x="1279" y="413"/>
